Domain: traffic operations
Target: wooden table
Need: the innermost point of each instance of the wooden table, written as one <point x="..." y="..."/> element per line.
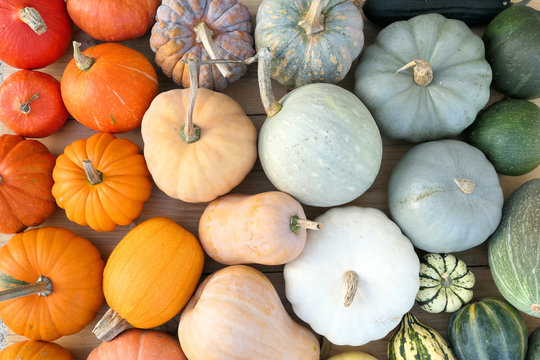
<point x="245" y="91"/>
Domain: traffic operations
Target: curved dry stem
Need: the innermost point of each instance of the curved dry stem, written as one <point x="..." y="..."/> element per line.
<point x="465" y="185"/>
<point x="32" y="18"/>
<point x="204" y="36"/>
<point x="190" y="132"/>
<point x="42" y="287"/>
<point x="93" y="175"/>
<point x="351" y="284"/>
<point x="313" y="23"/>
<point x="83" y="62"/>
<point x="25" y="107"/>
<point x="422" y="71"/>
<point x="110" y="325"/>
<point x="271" y="105"/>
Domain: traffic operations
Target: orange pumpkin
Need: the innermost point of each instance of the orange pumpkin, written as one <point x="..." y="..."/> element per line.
<point x="65" y="270"/>
<point x="149" y="276"/>
<point x="25" y="183"/>
<point x="108" y="87"/>
<point x="135" y="344"/>
<point x="35" y="350"/>
<point x="101" y="182"/>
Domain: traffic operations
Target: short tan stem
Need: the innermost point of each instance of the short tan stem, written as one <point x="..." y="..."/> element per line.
<point x="82" y="61"/>
<point x="204" y="36"/>
<point x="110" y="325"/>
<point x="422" y="71"/>
<point x="191" y="132"/>
<point x="308" y="224"/>
<point x="351" y="284"/>
<point x="32" y="18"/>
<point x="42" y="287"/>
<point x="313" y="23"/>
<point x="25" y="107"/>
<point x="535" y="308"/>
<point x="447" y="280"/>
<point x="465" y="185"/>
<point x="93" y="175"/>
<point x="271" y="105"/>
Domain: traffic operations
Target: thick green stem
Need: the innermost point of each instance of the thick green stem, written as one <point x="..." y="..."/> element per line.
<point x="83" y="62"/>
<point x="271" y="105"/>
<point x="110" y="325"/>
<point x="190" y="132"/>
<point x="313" y="23"/>
<point x="25" y="107"/>
<point x="42" y="287"/>
<point x="93" y="175"/>
<point x="204" y="36"/>
<point x="32" y="18"/>
<point x="422" y="71"/>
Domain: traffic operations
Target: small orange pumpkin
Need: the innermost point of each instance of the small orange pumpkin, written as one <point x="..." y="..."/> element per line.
<point x="35" y="350"/>
<point x="65" y="270"/>
<point x="101" y="182"/>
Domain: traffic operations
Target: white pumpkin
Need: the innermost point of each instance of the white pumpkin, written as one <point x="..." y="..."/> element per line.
<point x="355" y="278"/>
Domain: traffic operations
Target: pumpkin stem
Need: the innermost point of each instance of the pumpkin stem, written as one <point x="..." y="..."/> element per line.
<point x="110" y="325"/>
<point x="25" y="107"/>
<point x="271" y="105"/>
<point x="351" y="283"/>
<point x="313" y="23"/>
<point x="42" y="287"/>
<point x="32" y="18"/>
<point x="191" y="132"/>
<point x="93" y="175"/>
<point x="297" y="224"/>
<point x="447" y="280"/>
<point x="465" y="185"/>
<point x="204" y="36"/>
<point x="82" y="61"/>
<point x="535" y="308"/>
<point x="422" y="71"/>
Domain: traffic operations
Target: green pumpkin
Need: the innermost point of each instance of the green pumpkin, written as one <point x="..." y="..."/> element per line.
<point x="533" y="350"/>
<point x="444" y="90"/>
<point x="310" y="40"/>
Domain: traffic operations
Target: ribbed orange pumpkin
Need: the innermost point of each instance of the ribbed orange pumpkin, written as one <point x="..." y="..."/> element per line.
<point x="64" y="268"/>
<point x="35" y="350"/>
<point x="101" y="182"/>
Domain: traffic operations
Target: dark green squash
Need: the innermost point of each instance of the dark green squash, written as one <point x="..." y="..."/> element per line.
<point x="533" y="351"/>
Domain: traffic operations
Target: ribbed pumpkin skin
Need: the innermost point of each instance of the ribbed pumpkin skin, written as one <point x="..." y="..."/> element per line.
<point x="490" y="329"/>
<point x="152" y="272"/>
<point x="299" y="58"/>
<point x="533" y="349"/>
<point x="416" y="341"/>
<point x="35" y="350"/>
<point x="136" y="344"/>
<point x="514" y="249"/>
<point x="75" y="269"/>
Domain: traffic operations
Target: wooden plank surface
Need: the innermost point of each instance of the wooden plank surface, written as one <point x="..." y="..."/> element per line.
<point x="245" y="92"/>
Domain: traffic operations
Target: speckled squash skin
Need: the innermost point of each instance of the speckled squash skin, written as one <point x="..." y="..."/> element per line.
<point x="299" y="58"/>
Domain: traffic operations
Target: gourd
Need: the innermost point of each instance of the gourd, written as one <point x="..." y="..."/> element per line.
<point x="267" y="228"/>
<point x="34" y="33"/>
<point x="508" y="132"/>
<point x="341" y="281"/>
<point x="319" y="143"/>
<point x="490" y="328"/>
<point x="445" y="283"/>
<point x="51" y="283"/>
<point x="443" y="92"/>
<point x="101" y="181"/>
<point x="198" y="144"/>
<point x="445" y="196"/>
<point x="352" y="355"/>
<point x="533" y="349"/>
<point x="108" y="87"/>
<point x="136" y="344"/>
<point x="202" y="30"/>
<point x="25" y="183"/>
<point x="310" y="40"/>
<point x="113" y="20"/>
<point x="415" y="340"/>
<point x="515" y="31"/>
<point x="236" y="314"/>
<point x="149" y="276"/>
<point x="35" y="350"/>
<point x="514" y="249"/>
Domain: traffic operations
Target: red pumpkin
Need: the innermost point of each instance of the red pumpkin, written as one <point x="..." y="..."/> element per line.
<point x="34" y="33"/>
<point x="31" y="104"/>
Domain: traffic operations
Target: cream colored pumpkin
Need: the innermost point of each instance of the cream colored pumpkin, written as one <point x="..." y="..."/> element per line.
<point x="352" y="355"/>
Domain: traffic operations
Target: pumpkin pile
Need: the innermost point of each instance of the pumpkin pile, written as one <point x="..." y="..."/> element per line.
<point x="161" y="218"/>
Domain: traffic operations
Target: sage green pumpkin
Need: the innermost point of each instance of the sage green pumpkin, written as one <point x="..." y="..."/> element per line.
<point x="308" y="48"/>
<point x="445" y="196"/>
<point x="434" y="105"/>
<point x="533" y="350"/>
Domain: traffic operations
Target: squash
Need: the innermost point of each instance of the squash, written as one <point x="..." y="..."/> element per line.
<point x="310" y="40"/>
<point x="319" y="143"/>
<point x="445" y="283"/>
<point x="136" y="344"/>
<point x="109" y="87"/>
<point x="533" y="349"/>
<point x="113" y="20"/>
<point x="445" y="196"/>
<point x="149" y="276"/>
<point x="267" y="228"/>
<point x="236" y="314"/>
<point x="508" y="132"/>
<point x="352" y="355"/>
<point x="101" y="182"/>
<point x="341" y="284"/>
<point x="198" y="144"/>
<point x="51" y="283"/>
<point x="441" y="95"/>
<point x="34" y="33"/>
<point x="202" y="30"/>
<point x="515" y="31"/>
<point x="25" y="183"/>
<point x="35" y="350"/>
<point x="514" y="249"/>
<point x="490" y="328"/>
<point x="415" y="340"/>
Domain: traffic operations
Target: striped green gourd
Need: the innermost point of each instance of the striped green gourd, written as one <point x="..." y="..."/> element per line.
<point x="533" y="351"/>
<point x="414" y="340"/>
